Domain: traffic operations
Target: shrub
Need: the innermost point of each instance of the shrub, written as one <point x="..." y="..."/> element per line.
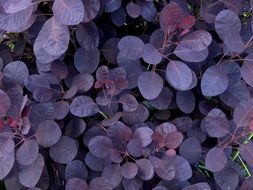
<point x="111" y="94"/>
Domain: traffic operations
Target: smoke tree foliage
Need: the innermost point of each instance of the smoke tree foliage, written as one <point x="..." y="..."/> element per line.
<point x="126" y="95"/>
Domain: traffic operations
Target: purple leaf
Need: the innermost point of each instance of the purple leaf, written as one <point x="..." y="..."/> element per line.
<point x="76" y="183"/>
<point x="215" y="159"/>
<point x="145" y="169"/>
<point x="246" y="151"/>
<point x="64" y="150"/>
<point x="48" y="133"/>
<point x="30" y="175"/>
<point x="13" y="6"/>
<point x="76" y="169"/>
<point x="133" y="10"/>
<point x="83" y="106"/>
<point x="144" y="134"/>
<point x="4" y="103"/>
<point x="191" y="150"/>
<point x="15" y="73"/>
<point x="217" y="125"/>
<point x="150" y="85"/>
<point x="100" y="146"/>
<point x="68" y="12"/>
<point x="243" y="113"/>
<point x="170" y="17"/>
<point x="185" y="101"/>
<point x="11" y="22"/>
<point x="86" y="60"/>
<point x="113" y="174"/>
<point x="129" y="170"/>
<point x="151" y="55"/>
<point x="138" y="116"/>
<point x="131" y="47"/>
<point x="91" y="9"/>
<point x="52" y="41"/>
<point x="27" y="153"/>
<point x="179" y="75"/>
<point x="214" y="81"/>
<point x="227" y="21"/>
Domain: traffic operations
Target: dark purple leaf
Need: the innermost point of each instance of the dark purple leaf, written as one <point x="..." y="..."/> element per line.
<point x="163" y="100"/>
<point x="246" y="151"/>
<point x="83" y="82"/>
<point x="83" y="106"/>
<point x="138" y="116"/>
<point x="59" y="69"/>
<point x="76" y="169"/>
<point x="64" y="150"/>
<point x="191" y="150"/>
<point x="100" y="183"/>
<point x="128" y="102"/>
<point x="88" y="36"/>
<point x="247" y="70"/>
<point x="35" y="81"/>
<point x="91" y="9"/>
<point x="27" y="153"/>
<point x="15" y="73"/>
<point x="185" y="101"/>
<point x="165" y="171"/>
<point x="96" y="164"/>
<point x="217" y="125"/>
<point x="112" y="5"/>
<point x="130" y="184"/>
<point x="86" y="60"/>
<point x="61" y="109"/>
<point x="30" y="175"/>
<point x="129" y="170"/>
<point x="215" y="159"/>
<point x="110" y="50"/>
<point x="76" y="183"/>
<point x="42" y="94"/>
<point x="113" y="174"/>
<point x="6" y="163"/>
<point x="144" y="134"/>
<point x="198" y="186"/>
<point x="75" y="127"/>
<point x="243" y="113"/>
<point x="228" y="178"/>
<point x="4" y="103"/>
<point x="48" y="133"/>
<point x="148" y="10"/>
<point x="145" y="169"/>
<point x="134" y="147"/>
<point x="6" y="146"/>
<point x="173" y="140"/>
<point x="100" y="146"/>
<point x="119" y="17"/>
<point x="170" y="16"/>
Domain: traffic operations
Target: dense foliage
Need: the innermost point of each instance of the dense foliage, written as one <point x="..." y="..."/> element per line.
<point x="113" y="94"/>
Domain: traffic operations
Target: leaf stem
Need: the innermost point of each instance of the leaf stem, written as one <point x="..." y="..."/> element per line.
<point x="248" y="174"/>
